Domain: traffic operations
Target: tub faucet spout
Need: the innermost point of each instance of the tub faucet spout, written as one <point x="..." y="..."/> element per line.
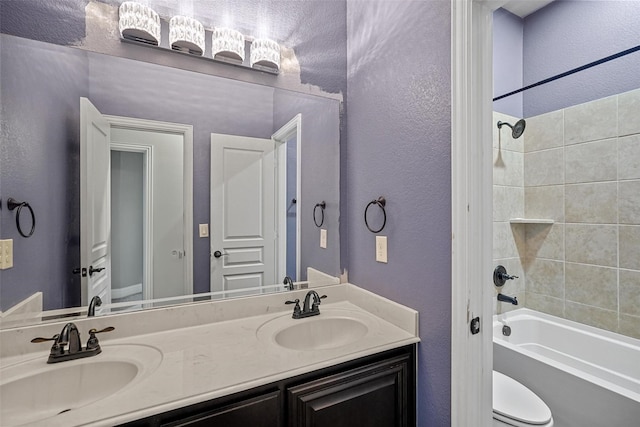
<point x="506" y="298"/>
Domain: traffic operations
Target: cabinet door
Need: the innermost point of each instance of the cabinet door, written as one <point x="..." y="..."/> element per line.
<point x="375" y="395"/>
<point x="262" y="411"/>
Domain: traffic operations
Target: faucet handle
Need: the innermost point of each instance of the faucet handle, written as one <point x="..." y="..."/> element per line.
<point x="296" y="309"/>
<point x="40" y="339"/>
<point x="92" y="342"/>
<point x="317" y="302"/>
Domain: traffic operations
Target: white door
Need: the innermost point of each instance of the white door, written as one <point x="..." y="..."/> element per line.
<point x="243" y="219"/>
<point x="95" y="209"/>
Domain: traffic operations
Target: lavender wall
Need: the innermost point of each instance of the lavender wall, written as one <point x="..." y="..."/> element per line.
<point x="320" y="177"/>
<point x="562" y="36"/>
<point x="507" y="61"/>
<point x="399" y="146"/>
<point x="40" y="164"/>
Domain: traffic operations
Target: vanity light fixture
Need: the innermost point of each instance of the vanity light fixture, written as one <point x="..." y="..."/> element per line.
<point x="227" y="43"/>
<point x="187" y="35"/>
<point x="265" y="53"/>
<point x="139" y="23"/>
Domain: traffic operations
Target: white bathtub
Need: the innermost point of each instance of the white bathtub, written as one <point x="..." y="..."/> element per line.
<point x="589" y="377"/>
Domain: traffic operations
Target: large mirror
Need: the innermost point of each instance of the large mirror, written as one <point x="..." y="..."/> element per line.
<point x="183" y="179"/>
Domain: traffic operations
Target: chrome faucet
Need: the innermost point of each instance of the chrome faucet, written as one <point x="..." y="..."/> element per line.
<point x="70" y="337"/>
<point x="95" y="302"/>
<point x="308" y="308"/>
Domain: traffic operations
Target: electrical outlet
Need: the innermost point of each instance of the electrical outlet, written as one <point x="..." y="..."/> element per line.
<point x="381" y="249"/>
<point x="204" y="230"/>
<point x="323" y="238"/>
<point x="6" y="254"/>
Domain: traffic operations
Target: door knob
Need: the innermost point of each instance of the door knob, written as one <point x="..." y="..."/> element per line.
<point x="217" y="254"/>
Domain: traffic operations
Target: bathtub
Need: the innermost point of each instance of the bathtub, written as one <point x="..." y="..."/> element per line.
<point x="589" y="377"/>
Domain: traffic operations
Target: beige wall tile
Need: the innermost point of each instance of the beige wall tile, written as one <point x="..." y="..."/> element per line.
<point x="544" y="131"/>
<point x="629" y="201"/>
<point x="545" y="241"/>
<point x="544" y="167"/>
<point x="591" y="161"/>
<point x="508" y="202"/>
<point x="545" y="277"/>
<point x="591" y="121"/>
<point x="630" y="326"/>
<point x="591" y="203"/>
<point x="591" y="244"/>
<point x="592" y="285"/>
<point x="508" y="241"/>
<point x="629" y="112"/>
<point x="545" y="304"/>
<point x="628" y="157"/>
<point x="594" y="316"/>
<point x="544" y="202"/>
<point x="508" y="168"/>
<point x="630" y="247"/>
<point x="502" y="137"/>
<point x="630" y="292"/>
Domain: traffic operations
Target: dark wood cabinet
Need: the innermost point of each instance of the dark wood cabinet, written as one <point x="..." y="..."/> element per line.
<point x="374" y="391"/>
<point x="373" y="396"/>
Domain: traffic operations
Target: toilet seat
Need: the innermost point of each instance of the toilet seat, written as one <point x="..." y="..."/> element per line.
<point x="516" y="405"/>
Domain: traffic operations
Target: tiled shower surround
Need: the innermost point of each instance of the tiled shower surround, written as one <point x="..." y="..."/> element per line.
<point x="579" y="167"/>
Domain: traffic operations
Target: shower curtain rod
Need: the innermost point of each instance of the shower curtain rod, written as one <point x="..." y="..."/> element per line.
<point x="575" y="70"/>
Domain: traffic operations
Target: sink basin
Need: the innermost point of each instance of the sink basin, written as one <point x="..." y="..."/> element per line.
<point x="332" y="328"/>
<point x="34" y="390"/>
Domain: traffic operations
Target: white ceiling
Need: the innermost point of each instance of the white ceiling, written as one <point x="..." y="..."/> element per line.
<point x="523" y="8"/>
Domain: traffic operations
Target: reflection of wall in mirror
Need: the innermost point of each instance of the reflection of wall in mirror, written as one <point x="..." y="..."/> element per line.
<point x="43" y="84"/>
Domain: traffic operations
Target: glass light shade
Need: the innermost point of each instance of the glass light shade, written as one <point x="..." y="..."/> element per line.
<point x="227" y="42"/>
<point x="186" y="34"/>
<point x="265" y="52"/>
<point x="139" y="22"/>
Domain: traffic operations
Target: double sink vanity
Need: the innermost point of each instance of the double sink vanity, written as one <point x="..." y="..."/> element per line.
<point x="244" y="361"/>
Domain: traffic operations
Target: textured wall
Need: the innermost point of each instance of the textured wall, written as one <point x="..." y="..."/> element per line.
<point x="569" y="34"/>
<point x="399" y="146"/>
<point x="507" y="61"/>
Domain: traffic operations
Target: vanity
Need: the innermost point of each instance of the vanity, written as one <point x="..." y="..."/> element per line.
<point x="243" y="361"/>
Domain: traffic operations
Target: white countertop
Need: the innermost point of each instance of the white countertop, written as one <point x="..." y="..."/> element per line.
<point x="205" y="361"/>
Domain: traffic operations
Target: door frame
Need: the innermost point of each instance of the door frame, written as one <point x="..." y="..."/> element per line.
<point x="280" y="138"/>
<point x="472" y="210"/>
<point x="187" y="135"/>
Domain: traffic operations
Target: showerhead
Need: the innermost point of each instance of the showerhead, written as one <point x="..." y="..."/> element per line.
<point x="516" y="130"/>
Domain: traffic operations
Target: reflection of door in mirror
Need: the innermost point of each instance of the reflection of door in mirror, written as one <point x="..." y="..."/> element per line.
<point x="144" y="220"/>
<point x="243" y="223"/>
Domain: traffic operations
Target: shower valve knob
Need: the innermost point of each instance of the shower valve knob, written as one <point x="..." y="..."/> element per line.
<point x="500" y="276"/>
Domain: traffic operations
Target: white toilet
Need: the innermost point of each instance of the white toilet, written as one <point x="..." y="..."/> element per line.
<point x="516" y="405"/>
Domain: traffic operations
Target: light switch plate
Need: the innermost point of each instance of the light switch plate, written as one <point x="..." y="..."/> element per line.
<point x="204" y="230"/>
<point x="381" y="249"/>
<point x="6" y="254"/>
<point x="323" y="238"/>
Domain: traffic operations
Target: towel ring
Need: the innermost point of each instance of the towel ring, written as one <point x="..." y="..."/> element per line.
<point x="13" y="204"/>
<point x="380" y="202"/>
<point x="320" y="205"/>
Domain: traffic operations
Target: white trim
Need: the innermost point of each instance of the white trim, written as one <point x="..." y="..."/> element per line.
<point x="280" y="137"/>
<point x="471" y="153"/>
<point x="187" y="133"/>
